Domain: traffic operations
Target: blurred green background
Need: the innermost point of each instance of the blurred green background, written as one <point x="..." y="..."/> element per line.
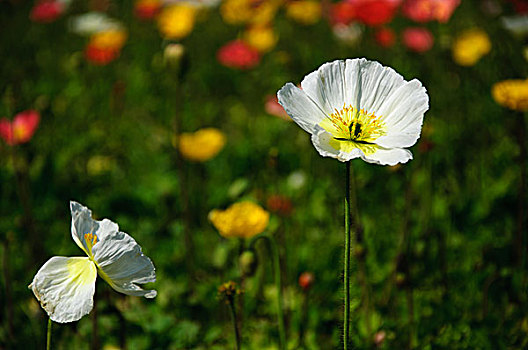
<point x="441" y="260"/>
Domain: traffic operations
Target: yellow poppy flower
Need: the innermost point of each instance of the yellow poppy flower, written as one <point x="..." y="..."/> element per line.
<point x="304" y="11"/>
<point x="261" y="38"/>
<point x="470" y="46"/>
<point x="512" y="94"/>
<point x="177" y="21"/>
<point x="109" y="39"/>
<point x="241" y="220"/>
<point x="201" y="145"/>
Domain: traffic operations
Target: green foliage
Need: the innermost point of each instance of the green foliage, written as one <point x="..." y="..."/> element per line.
<point x="435" y="268"/>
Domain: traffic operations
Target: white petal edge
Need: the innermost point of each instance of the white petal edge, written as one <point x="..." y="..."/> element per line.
<point x="65" y="287"/>
<point x="82" y="223"/>
<point x="390" y="156"/>
<point x="122" y="264"/>
<point x="300" y="107"/>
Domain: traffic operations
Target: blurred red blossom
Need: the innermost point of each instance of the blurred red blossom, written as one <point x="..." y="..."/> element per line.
<point x="21" y="129"/>
<point x="146" y="9"/>
<point x="273" y="107"/>
<point x="342" y="12"/>
<point x="306" y="279"/>
<point x="418" y="39"/>
<point x="520" y="6"/>
<point x="238" y="54"/>
<point x="375" y="12"/>
<point x="279" y="204"/>
<point x="46" y="11"/>
<point x="385" y="37"/>
<point x="100" y="55"/>
<point x="429" y="10"/>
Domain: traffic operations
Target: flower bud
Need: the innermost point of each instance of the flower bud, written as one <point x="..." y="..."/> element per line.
<point x="306" y="279"/>
<point x="248" y="263"/>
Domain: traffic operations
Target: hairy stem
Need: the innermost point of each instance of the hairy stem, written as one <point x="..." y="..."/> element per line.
<point x="346" y="318"/>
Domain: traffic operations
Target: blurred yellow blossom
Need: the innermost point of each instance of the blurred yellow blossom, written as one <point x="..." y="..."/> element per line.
<point x="261" y="38"/>
<point x="304" y="11"/>
<point x="201" y="145"/>
<point x="109" y="39"/>
<point x="512" y="94"/>
<point x="241" y="220"/>
<point x="177" y="21"/>
<point x="470" y="46"/>
<point x="248" y="11"/>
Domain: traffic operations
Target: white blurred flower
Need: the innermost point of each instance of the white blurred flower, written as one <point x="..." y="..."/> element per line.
<point x="65" y="286"/>
<point x="348" y="34"/>
<point x="517" y="25"/>
<point x="358" y="109"/>
<point x="93" y="22"/>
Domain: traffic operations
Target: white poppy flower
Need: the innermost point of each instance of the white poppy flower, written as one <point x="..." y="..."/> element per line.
<point x="358" y="109"/>
<point x="65" y="286"/>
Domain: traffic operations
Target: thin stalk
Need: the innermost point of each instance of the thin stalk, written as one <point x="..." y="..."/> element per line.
<point x="274" y="252"/>
<point x="346" y="318"/>
<point x="48" y="337"/>
<point x="235" y="321"/>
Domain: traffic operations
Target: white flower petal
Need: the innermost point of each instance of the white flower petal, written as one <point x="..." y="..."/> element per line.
<point x="391" y="156"/>
<point x="300" y="107"/>
<point x="65" y="287"/>
<point x="122" y="264"/>
<point x="402" y="112"/>
<point x="381" y="90"/>
<point x="326" y="86"/>
<point x="82" y="223"/>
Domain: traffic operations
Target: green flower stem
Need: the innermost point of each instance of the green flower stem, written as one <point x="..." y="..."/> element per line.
<point x="48" y="337"/>
<point x="235" y="321"/>
<point x="346" y="318"/>
<point x="274" y="252"/>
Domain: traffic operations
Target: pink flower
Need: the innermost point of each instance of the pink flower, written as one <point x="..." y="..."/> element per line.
<point x="46" y="11"/>
<point x="428" y="10"/>
<point x="418" y="39"/>
<point x="21" y="129"/>
<point x="385" y="37"/>
<point x="273" y="107"/>
<point x="237" y="54"/>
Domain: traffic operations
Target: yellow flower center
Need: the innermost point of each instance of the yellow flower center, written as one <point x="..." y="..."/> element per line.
<point x="352" y="128"/>
<point x="90" y="239"/>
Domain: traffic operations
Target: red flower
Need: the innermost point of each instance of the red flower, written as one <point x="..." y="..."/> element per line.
<point x="237" y="54"/>
<point x="418" y="39"/>
<point x="306" y="279"/>
<point x="428" y="10"/>
<point x="375" y="12"/>
<point x="46" y="11"/>
<point x="342" y="13"/>
<point x="146" y="9"/>
<point x="21" y="129"/>
<point x="280" y="205"/>
<point x="385" y="37"/>
<point x="100" y="55"/>
<point x="520" y="6"/>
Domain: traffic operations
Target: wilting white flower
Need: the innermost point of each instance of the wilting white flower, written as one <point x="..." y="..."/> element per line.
<point x="358" y="109"/>
<point x="65" y="286"/>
